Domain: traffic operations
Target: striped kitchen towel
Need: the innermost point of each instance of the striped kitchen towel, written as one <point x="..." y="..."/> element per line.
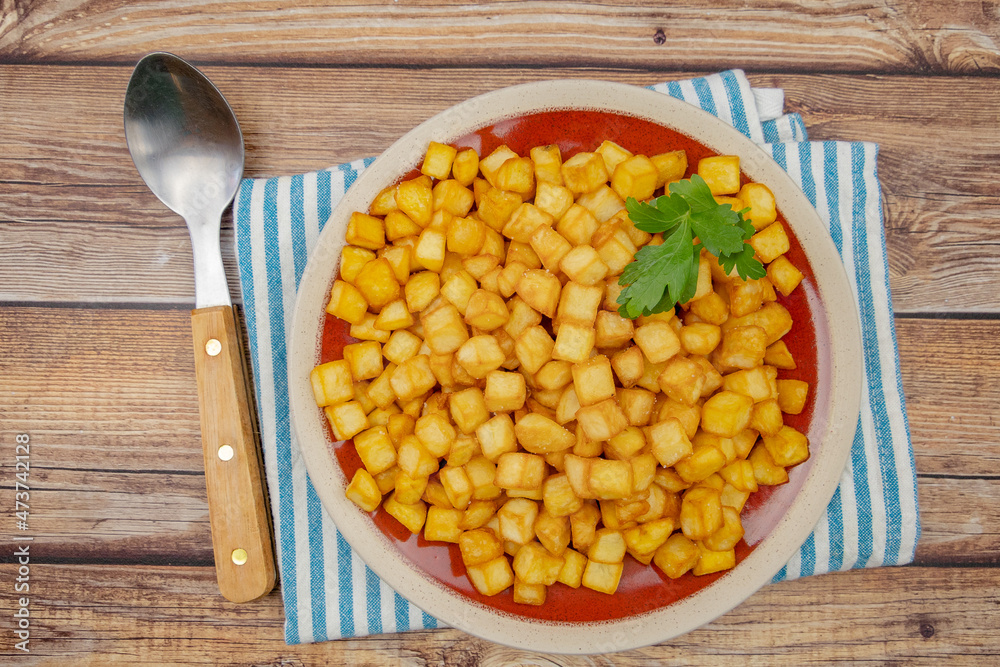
<point x="871" y="521"/>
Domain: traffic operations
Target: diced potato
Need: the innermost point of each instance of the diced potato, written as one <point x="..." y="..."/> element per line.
<point x="394" y="316"/>
<point x="346" y="419"/>
<point x="787" y="447"/>
<point x="593" y="380"/>
<point x="710" y="308"/>
<point x="421" y="289"/>
<point x="481" y="472"/>
<point x="517" y="520"/>
<point x="602" y="420"/>
<point x="770" y="242"/>
<point x="465" y="166"/>
<point x="682" y="379"/>
<point x="603" y="202"/>
<point x="613" y="154"/>
<point x="602" y="577"/>
<point x="413" y="458"/>
<point x="574" y="342"/>
<point x="670" y="166"/>
<point x="584" y="172"/>
<point x="497" y="207"/>
<point x="577" y="224"/>
<point x="726" y="413"/>
<point x="504" y="391"/>
<point x="491" y="577"/>
<point x="438" y="160"/>
<point x="401" y="346"/>
<point x="637" y="404"/>
<point x="625" y="445"/>
<point x="540" y="289"/>
<point x="416" y="199"/>
<point x="533" y="348"/>
<point x="760" y="200"/>
<point x="635" y="177"/>
<point x="700" y="338"/>
<point x="669" y="442"/>
<point x="465" y="236"/>
<point x="468" y="409"/>
<point x="520" y="470"/>
<point x="332" y="383"/>
<point x="377" y="283"/>
<point x="765" y="470"/>
<point x="365" y="359"/>
<point x="766" y="417"/>
<point x="435" y="433"/>
<point x="573" y="567"/>
<point x="677" y="556"/>
<point x="549" y="245"/>
<point x="375" y="449"/>
<point x="363" y="491"/>
<point x="365" y="231"/>
<point x="523" y="222"/>
<point x="742" y="347"/>
<point x="548" y="164"/>
<point x="442" y="525"/>
<point x="579" y="303"/>
<point x="612" y="330"/>
<point x="410" y="489"/>
<point x="538" y="434"/>
<point x="610" y="480"/>
<point x="352" y="259"/>
<point x="533" y="564"/>
<point x="629" y="365"/>
<point x="784" y="275"/>
<point x="584" y="265"/>
<point x="522" y="316"/>
<point x="713" y="561"/>
<point x="657" y="340"/>
<point x="413" y="378"/>
<point x="646" y="538"/>
<point x="412" y="516"/>
<point x="444" y="330"/>
<point x="701" y="512"/>
<point x="558" y="496"/>
<point x="722" y="173"/>
<point x="480" y="355"/>
<point x="792" y="395"/>
<point x="347" y="302"/>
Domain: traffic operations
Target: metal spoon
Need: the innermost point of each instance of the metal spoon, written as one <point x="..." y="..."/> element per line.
<point x="188" y="148"/>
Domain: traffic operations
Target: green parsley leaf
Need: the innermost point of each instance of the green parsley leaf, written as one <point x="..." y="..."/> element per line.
<point x="662" y="276"/>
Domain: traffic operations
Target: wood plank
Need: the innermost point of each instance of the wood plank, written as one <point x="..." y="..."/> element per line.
<point x="895" y="36"/>
<point x="117" y="243"/>
<point x="156" y="615"/>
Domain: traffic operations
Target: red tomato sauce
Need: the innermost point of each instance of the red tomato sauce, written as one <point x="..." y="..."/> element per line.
<point x="643" y="588"/>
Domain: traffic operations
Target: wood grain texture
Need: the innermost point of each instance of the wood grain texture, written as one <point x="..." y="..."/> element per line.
<point x="69" y="169"/>
<point x="154" y="616"/>
<point x="894" y="36"/>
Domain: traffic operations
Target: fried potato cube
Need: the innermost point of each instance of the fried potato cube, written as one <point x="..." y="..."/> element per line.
<point x="637" y="404"/>
<point x="496" y="437"/>
<point x="465" y="236"/>
<point x="332" y="383"/>
<point x="442" y="525"/>
<point x="478" y="514"/>
<point x="533" y="348"/>
<point x="646" y="538"/>
<point x="713" y="561"/>
<point x="523" y="222"/>
<point x="688" y="415"/>
<point x="787" y="447"/>
<point x="444" y="330"/>
<point x="608" y="546"/>
<point x="784" y="275"/>
<point x="704" y="461"/>
<point x="397" y="426"/>
<point x="792" y="395"/>
<point x="491" y="577"/>
<point x="574" y="342"/>
<point x="538" y="434"/>
<point x="611" y="329"/>
<point x="602" y="577"/>
<point x="760" y="200"/>
<point x="421" y="289"/>
<point x="410" y="489"/>
<point x="571" y="572"/>
<point x="669" y="441"/>
<point x="525" y="593"/>
<point x="700" y="338"/>
<point x="772" y="317"/>
<point x="480" y="546"/>
<point x="479" y="355"/>
<point x="558" y="496"/>
<point x="394" y="316"/>
<point x="413" y="458"/>
<point x="567" y="406"/>
<point x="400" y="258"/>
<point x="603" y="202"/>
<point x="742" y="347"/>
<point x="438" y="160"/>
<point x="540" y="289"/>
<point x="765" y="470"/>
<point x="497" y="207"/>
<point x="346" y="419"/>
<point x="463" y="449"/>
<point x="517" y="520"/>
<point x="554" y="375"/>
<point x="352" y="259"/>
<point x="435" y="433"/>
<point x="365" y="231"/>
<point x="739" y="474"/>
<point x="398" y="225"/>
<point x="504" y="391"/>
<point x="752" y="382"/>
<point x="522" y="317"/>
<point x="481" y="472"/>
<point x="726" y="413"/>
<point x="465" y="166"/>
<point x="481" y="265"/>
<point x="657" y="340"/>
<point x="520" y="470"/>
<point x="411" y="515"/>
<point x="457" y="487"/>
<point x="533" y="564"/>
<point x="554" y="200"/>
<point x="711" y="308"/>
<point x="363" y="491"/>
<point x="384" y="202"/>
<point x="677" y="556"/>
<point x="375" y="449"/>
<point x="584" y="265"/>
<point x="682" y="379"/>
<point x="429" y="251"/>
<point x="670" y="166"/>
<point x="468" y="409"/>
<point x="584" y="172"/>
<point x="628" y="365"/>
<point x="347" y="302"/>
<point x="593" y="380"/>
<point x="413" y="378"/>
<point x="602" y="420"/>
<point x="770" y="242"/>
<point x="583" y="525"/>
<point x="625" y="445"/>
<point x="577" y="224"/>
<point x="517" y="174"/>
<point x="453" y="197"/>
<point x="766" y="417"/>
<point x="416" y="199"/>
<point x="701" y="512"/>
<point x="490" y="165"/>
<point x="612" y="154"/>
<point x="550" y="246"/>
<point x="745" y="296"/>
<point x="402" y="345"/>
<point x="377" y="283"/>
<point x="579" y="303"/>
<point x="722" y="173"/>
<point x="610" y="480"/>
<point x="635" y="177"/>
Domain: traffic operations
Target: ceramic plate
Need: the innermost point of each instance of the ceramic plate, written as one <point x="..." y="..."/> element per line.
<point x="649" y="608"/>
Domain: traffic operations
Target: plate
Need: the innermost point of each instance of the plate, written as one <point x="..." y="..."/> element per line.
<point x="777" y="522"/>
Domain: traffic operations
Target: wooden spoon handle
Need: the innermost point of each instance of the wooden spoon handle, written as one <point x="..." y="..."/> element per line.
<point x="234" y="471"/>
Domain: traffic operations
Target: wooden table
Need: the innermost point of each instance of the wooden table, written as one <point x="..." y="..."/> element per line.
<point x="96" y="287"/>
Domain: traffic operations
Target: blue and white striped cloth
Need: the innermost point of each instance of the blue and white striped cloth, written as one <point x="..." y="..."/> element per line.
<point x="872" y="520"/>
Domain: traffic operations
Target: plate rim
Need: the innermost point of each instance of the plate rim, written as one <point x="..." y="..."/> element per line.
<point x="638" y="630"/>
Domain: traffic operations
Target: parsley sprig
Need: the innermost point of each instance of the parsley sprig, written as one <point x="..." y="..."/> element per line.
<point x="667" y="274"/>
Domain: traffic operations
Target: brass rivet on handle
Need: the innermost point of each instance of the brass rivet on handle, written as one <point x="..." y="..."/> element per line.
<point x="239" y="556"/>
<point x="226" y="452"/>
<point x="213" y="347"/>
